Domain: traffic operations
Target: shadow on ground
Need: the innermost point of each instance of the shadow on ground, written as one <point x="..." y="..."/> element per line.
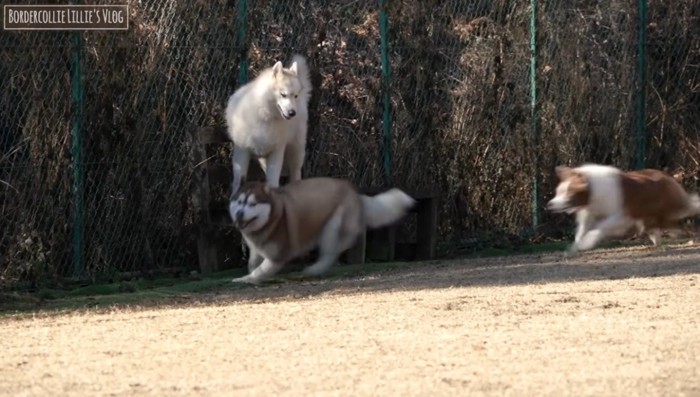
<point x="609" y="264"/>
<point x="638" y="262"/>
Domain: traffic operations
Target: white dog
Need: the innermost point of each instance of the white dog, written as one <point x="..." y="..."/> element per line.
<point x="267" y="119"/>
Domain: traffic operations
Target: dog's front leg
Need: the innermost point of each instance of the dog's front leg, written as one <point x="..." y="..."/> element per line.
<point x="274" y="164"/>
<point x="584" y="221"/>
<point x="610" y="226"/>
<point x="261" y="273"/>
<point x="240" y="158"/>
<point x="255" y="258"/>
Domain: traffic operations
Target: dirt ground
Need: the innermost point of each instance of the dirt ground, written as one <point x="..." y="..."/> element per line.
<point x="616" y="322"/>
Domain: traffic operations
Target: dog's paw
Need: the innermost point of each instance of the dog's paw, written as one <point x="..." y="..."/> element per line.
<point x="313" y="272"/>
<point x="571" y="252"/>
<point x="245" y="280"/>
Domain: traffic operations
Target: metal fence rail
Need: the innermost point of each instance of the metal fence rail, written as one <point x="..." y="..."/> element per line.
<point x="477" y="99"/>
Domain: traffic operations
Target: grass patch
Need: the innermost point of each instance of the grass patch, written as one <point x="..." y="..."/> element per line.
<point x="137" y="292"/>
<point x="144" y="292"/>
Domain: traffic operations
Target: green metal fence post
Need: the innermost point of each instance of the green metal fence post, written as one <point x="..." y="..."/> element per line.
<point x="78" y="106"/>
<point x="640" y="116"/>
<point x="386" y="91"/>
<point x="241" y="44"/>
<point x="534" y="117"/>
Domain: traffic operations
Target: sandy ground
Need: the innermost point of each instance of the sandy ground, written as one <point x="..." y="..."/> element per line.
<point x="617" y="322"/>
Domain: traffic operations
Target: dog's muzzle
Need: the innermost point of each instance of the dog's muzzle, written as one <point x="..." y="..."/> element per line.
<point x="287" y="115"/>
<point x="239" y="222"/>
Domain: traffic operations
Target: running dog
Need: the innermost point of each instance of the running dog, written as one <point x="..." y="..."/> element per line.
<point x="280" y="224"/>
<point x="608" y="202"/>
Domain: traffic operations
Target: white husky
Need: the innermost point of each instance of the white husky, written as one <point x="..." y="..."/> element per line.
<point x="267" y="119"/>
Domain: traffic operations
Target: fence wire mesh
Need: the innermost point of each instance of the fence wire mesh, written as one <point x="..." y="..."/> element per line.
<point x="673" y="87"/>
<point x="460" y="96"/>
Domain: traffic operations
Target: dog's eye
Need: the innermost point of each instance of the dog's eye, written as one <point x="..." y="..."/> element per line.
<point x="283" y="94"/>
<point x="251" y="205"/>
<point x="296" y="96"/>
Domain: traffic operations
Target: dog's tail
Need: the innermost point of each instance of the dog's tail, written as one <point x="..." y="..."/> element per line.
<point x="694" y="203"/>
<point x="303" y="73"/>
<point x="386" y="208"/>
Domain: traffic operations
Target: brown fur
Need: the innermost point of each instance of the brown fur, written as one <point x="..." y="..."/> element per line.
<point x="654" y="197"/>
<point x="297" y="215"/>
<point x="651" y="196"/>
<point x="578" y="190"/>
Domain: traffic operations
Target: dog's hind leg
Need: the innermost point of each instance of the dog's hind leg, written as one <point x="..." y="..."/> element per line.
<point x="294" y="155"/>
<point x="296" y="151"/>
<point x="240" y="158"/>
<point x="261" y="273"/>
<point x="328" y="246"/>
<point x="272" y="165"/>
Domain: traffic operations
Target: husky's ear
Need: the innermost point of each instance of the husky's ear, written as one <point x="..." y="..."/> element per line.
<point x="277" y="68"/>
<point x="293" y="68"/>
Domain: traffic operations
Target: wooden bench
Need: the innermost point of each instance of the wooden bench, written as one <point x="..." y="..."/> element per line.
<point x="206" y="175"/>
<point x="211" y="215"/>
<point x="426" y="212"/>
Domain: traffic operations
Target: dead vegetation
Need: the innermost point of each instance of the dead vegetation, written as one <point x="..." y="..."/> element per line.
<point x="460" y="96"/>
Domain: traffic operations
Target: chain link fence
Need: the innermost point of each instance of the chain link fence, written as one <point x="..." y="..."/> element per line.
<point x="463" y="76"/>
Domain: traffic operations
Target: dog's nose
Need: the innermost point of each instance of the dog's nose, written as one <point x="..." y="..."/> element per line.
<point x="238" y="215"/>
<point x="292" y="113"/>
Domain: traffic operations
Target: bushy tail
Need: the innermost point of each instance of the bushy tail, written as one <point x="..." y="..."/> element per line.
<point x="386" y="208"/>
<point x="694" y="203"/>
<point x="303" y="73"/>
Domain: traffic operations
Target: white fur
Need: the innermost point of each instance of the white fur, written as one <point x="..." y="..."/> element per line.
<point x="694" y="206"/>
<point x="245" y="210"/>
<point x="330" y="244"/>
<point x="604" y="214"/>
<point x="267" y="119"/>
<point x="386" y="208"/>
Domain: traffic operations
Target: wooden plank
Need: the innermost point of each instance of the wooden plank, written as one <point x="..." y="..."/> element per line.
<point x="220" y="174"/>
<point x="199" y="194"/>
<point x="381" y="244"/>
<point x="426" y="228"/>
<point x="213" y="134"/>
<point x="207" y="252"/>
<point x="221" y="219"/>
